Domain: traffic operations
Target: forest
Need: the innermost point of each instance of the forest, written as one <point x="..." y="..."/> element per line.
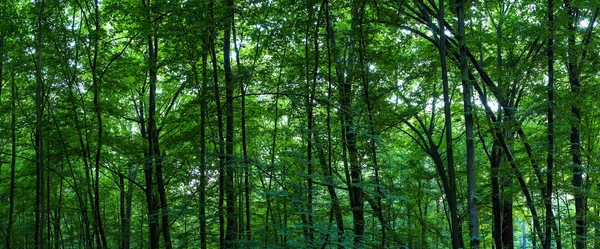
<point x="299" y="124"/>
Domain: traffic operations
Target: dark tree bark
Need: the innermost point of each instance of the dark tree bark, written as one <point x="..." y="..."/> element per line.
<point x="452" y="202"/>
<point x="148" y="133"/>
<point x="516" y="171"/>
<point x="230" y="163"/>
<point x="576" y="55"/>
<point x="154" y="151"/>
<point x="97" y="111"/>
<point x="345" y="79"/>
<point x="335" y="203"/>
<point x="550" y="114"/>
<point x="311" y="81"/>
<point x="376" y="204"/>
<point x="246" y="198"/>
<point x="502" y="200"/>
<point x="221" y="143"/>
<point x="203" y="108"/>
<point x="495" y="161"/>
<point x="466" y="84"/>
<point x="151" y="198"/>
<point x="128" y="198"/>
<point x="13" y="158"/>
<point x="40" y="207"/>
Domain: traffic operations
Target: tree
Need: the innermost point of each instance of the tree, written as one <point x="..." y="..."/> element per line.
<point x="289" y="124"/>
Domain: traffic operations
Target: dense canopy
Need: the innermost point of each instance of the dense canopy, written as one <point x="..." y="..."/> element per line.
<point x="299" y="124"/>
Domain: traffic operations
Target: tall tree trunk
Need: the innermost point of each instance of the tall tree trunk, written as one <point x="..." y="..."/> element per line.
<point x="215" y="71"/>
<point x="58" y="214"/>
<point x="508" y="237"/>
<point x="345" y="79"/>
<point x="40" y="208"/>
<point x="128" y="198"/>
<point x="310" y="94"/>
<point x="550" y="150"/>
<point x="500" y="137"/>
<point x="147" y="133"/>
<point x="502" y="200"/>
<point x="122" y="195"/>
<point x="13" y="161"/>
<point x="329" y="170"/>
<point x="376" y="205"/>
<point x="247" y="169"/>
<point x="575" y="139"/>
<point x="154" y="151"/>
<point x="230" y="164"/>
<point x="471" y="180"/>
<point x="452" y="202"/>
<point x="203" y="107"/>
<point x="495" y="161"/>
<point x="97" y="112"/>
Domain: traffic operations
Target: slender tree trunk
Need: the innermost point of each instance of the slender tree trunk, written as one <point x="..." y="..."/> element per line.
<point x="57" y="213"/>
<point x="97" y="112"/>
<point x="122" y="195"/>
<point x="13" y="161"/>
<point x="495" y="160"/>
<point x="345" y="79"/>
<point x="154" y="147"/>
<point x="364" y="70"/>
<point x="151" y="198"/>
<point x="154" y="151"/>
<point x="550" y="151"/>
<point x="230" y="164"/>
<point x="329" y="170"/>
<point x="310" y="92"/>
<point x="203" y="179"/>
<point x="11" y="191"/>
<point x="221" y="152"/>
<point x="575" y="139"/>
<point x="247" y="169"/>
<point x="471" y="180"/>
<point x="502" y="141"/>
<point x="452" y="202"/>
<point x="81" y="198"/>
<point x="128" y="198"/>
<point x="40" y="239"/>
